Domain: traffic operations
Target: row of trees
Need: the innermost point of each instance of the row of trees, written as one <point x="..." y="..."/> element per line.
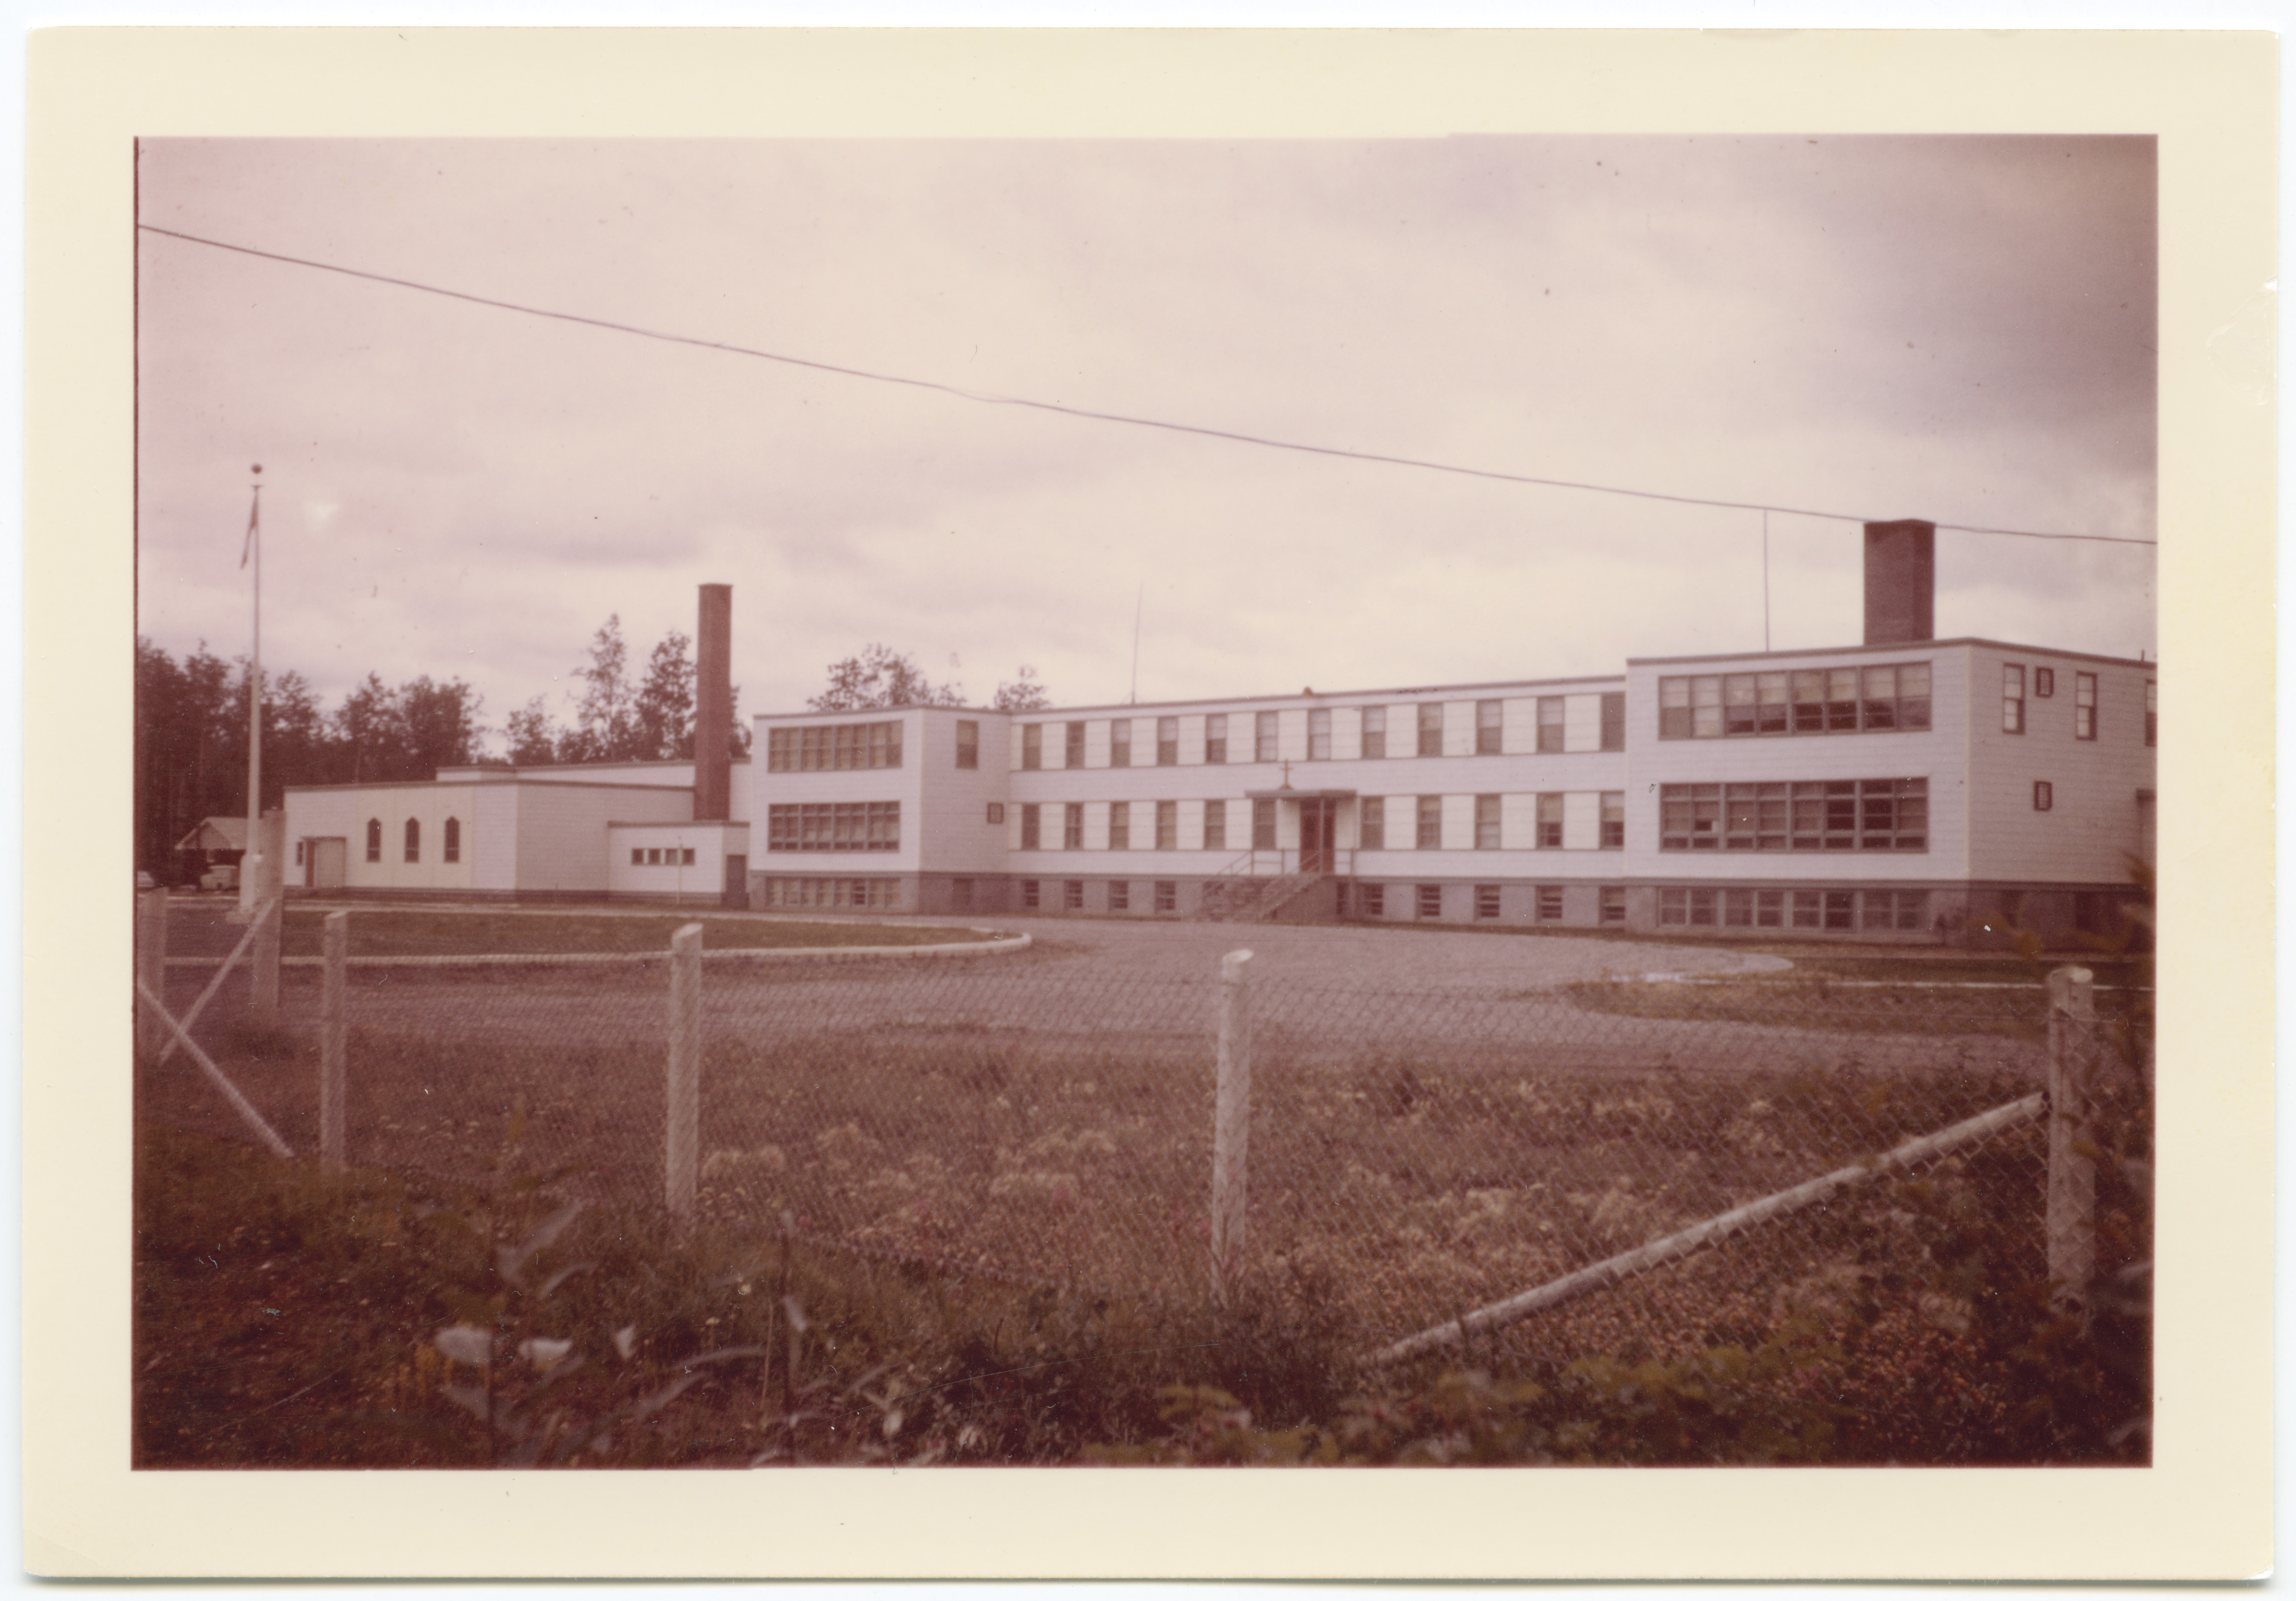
<point x="191" y="725"/>
<point x="190" y="731"/>
<point x="881" y="676"/>
<point x="191" y="738"/>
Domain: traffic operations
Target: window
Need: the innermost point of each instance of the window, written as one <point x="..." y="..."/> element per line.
<point x="1549" y="837"/>
<point x="1487" y="728"/>
<point x="1809" y="700"/>
<point x="1835" y="814"/>
<point x="637" y="855"/>
<point x="2084" y="705"/>
<point x="1374" y="899"/>
<point x="450" y="845"/>
<point x="1263" y="737"/>
<point x="413" y="839"/>
<point x="2045" y="794"/>
<point x="374" y="839"/>
<point x="685" y="857"/>
<point x="1486" y="823"/>
<point x="1486" y="902"/>
<point x="1032" y="747"/>
<point x="1430" y="730"/>
<point x="995" y="813"/>
<point x="1550" y="902"/>
<point x="1119" y="896"/>
<point x="1614" y="903"/>
<point x="1374" y="734"/>
<point x="1216" y="739"/>
<point x="968" y="744"/>
<point x="1119" y="825"/>
<point x="1893" y="909"/>
<point x="1431" y="822"/>
<point x="1031" y="893"/>
<point x="1072" y="894"/>
<point x="1119" y="743"/>
<point x="1031" y="827"/>
<point x="838" y="893"/>
<point x="1614" y="720"/>
<point x="1431" y="900"/>
<point x="1168" y="894"/>
<point x="1319" y="733"/>
<point x="2151" y="712"/>
<point x="833" y="748"/>
<point x="1072" y="826"/>
<point x="1263" y="825"/>
<point x="1550" y="723"/>
<point x="1167" y="741"/>
<point x="1371" y="824"/>
<point x="959" y="894"/>
<point x="1073" y="754"/>
<point x="1167" y="825"/>
<point x="2013" y="699"/>
<point x="2045" y="682"/>
<point x="1688" y="908"/>
<point x="299" y="853"/>
<point x="1614" y="819"/>
<point x="653" y="855"/>
<point x="834" y="826"/>
<point x="1216" y="825"/>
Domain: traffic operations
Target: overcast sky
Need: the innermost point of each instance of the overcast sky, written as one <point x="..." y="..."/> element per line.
<point x="1958" y="329"/>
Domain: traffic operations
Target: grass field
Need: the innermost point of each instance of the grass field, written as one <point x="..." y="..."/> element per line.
<point x="1392" y="1191"/>
<point x="202" y="930"/>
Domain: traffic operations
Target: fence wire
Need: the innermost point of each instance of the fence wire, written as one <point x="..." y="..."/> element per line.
<point x="1413" y="1154"/>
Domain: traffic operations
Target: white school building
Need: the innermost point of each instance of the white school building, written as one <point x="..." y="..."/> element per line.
<point x="1905" y="789"/>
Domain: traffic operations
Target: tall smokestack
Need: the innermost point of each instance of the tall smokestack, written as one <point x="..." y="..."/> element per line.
<point x="1900" y="582"/>
<point x="713" y="706"/>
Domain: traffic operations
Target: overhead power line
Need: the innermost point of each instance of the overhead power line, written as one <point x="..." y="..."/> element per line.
<point x="984" y="398"/>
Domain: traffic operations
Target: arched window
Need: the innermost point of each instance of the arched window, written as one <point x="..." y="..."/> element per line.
<point x="374" y="839"/>
<point x="451" y="848"/>
<point x="413" y="839"/>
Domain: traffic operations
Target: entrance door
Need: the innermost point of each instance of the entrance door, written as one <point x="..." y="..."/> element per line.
<point x="1315" y="835"/>
<point x="737" y="881"/>
<point x="322" y="862"/>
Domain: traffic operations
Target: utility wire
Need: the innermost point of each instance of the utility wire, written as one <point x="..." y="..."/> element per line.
<point x="984" y="398"/>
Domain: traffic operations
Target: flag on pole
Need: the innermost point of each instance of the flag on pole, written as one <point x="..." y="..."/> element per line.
<point x="255" y="508"/>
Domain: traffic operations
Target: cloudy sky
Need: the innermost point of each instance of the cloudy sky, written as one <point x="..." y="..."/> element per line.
<point x="1958" y="329"/>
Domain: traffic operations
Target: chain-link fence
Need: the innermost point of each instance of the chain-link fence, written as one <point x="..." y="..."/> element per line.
<point x="1409" y="1155"/>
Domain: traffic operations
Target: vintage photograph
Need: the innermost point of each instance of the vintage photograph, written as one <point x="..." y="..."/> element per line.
<point x="1470" y="800"/>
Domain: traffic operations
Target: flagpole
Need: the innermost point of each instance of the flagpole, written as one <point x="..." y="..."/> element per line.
<point x="252" y="863"/>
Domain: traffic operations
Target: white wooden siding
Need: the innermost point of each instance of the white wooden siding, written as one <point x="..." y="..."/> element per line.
<point x="1096" y="742"/>
<point x="1517" y="822"/>
<point x="1290" y="736"/>
<point x="1095" y="822"/>
<point x="1582" y="819"/>
<point x="1582" y="722"/>
<point x="1458" y="729"/>
<point x="1192" y="739"/>
<point x="1518" y="726"/>
<point x="1192" y="811"/>
<point x="1347" y="734"/>
<point x="1458" y="818"/>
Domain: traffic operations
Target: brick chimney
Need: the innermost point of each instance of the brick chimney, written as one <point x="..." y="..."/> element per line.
<point x="1900" y="582"/>
<point x="713" y="705"/>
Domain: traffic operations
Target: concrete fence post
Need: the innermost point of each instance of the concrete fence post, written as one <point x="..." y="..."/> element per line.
<point x="1231" y="1120"/>
<point x="2072" y="1175"/>
<point x="334" y="1038"/>
<point x="150" y="969"/>
<point x="682" y="1139"/>
<point x="263" y="961"/>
